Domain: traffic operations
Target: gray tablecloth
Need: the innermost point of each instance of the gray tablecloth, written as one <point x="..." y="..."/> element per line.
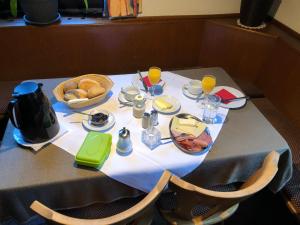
<point x="51" y="177"/>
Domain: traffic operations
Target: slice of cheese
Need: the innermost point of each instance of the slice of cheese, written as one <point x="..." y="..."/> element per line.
<point x="163" y="104"/>
<point x="187" y="122"/>
<point x="195" y="130"/>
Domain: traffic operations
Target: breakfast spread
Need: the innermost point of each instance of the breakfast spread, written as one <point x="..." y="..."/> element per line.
<point x="85" y="88"/>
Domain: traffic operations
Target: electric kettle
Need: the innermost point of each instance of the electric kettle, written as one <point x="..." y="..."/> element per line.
<point x="30" y="111"/>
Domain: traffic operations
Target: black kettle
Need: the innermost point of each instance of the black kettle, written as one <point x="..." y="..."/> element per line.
<point x="30" y="111"/>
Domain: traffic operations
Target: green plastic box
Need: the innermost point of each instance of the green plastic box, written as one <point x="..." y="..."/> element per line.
<point x="94" y="150"/>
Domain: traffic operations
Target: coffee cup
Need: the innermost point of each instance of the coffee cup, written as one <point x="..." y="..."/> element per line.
<point x="130" y="92"/>
<point x="194" y="87"/>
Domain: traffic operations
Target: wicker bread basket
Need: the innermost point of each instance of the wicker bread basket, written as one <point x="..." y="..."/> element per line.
<point x="104" y="81"/>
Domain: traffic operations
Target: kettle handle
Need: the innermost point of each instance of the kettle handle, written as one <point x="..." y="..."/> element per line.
<point x="11" y="112"/>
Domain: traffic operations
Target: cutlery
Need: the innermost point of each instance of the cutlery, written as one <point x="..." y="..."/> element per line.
<point x="145" y="86"/>
<point x="83" y="113"/>
<point x="235" y="99"/>
<point x="76" y="121"/>
<point x="198" y="97"/>
<point x="166" y="138"/>
<point x="227" y="100"/>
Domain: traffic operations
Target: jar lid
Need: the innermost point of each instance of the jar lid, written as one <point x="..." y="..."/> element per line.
<point x="139" y="98"/>
<point x="25" y="88"/>
<point x="124" y="132"/>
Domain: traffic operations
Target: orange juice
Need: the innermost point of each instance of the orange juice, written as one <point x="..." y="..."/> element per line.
<point x="208" y="83"/>
<point x="154" y="75"/>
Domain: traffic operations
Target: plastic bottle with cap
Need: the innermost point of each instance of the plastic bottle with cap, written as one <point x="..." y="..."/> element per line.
<point x="138" y="106"/>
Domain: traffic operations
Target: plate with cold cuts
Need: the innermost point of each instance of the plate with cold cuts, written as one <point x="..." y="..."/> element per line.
<point x="189" y="134"/>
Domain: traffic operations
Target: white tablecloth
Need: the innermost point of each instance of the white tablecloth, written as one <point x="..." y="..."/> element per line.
<point x="143" y="167"/>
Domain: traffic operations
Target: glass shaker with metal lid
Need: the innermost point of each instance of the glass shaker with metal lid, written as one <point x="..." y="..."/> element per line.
<point x="138" y="106"/>
<point x="124" y="145"/>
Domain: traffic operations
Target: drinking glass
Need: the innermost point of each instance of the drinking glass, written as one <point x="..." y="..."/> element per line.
<point x="211" y="108"/>
<point x="208" y="83"/>
<point x="154" y="74"/>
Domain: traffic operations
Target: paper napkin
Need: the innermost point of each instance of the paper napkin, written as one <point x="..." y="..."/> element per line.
<point x="225" y="95"/>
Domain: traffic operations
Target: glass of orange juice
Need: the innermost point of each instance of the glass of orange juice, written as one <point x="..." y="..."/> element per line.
<point x="208" y="83"/>
<point x="154" y="75"/>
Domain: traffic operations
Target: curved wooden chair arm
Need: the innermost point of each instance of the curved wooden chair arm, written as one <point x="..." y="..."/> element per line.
<point x="256" y="182"/>
<point x="129" y="213"/>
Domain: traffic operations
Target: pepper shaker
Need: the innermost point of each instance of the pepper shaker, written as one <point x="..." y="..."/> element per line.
<point x="124" y="145"/>
<point x="146" y="120"/>
<point x="154" y="117"/>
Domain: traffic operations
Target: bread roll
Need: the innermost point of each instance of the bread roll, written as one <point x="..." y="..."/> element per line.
<point x="79" y="93"/>
<point x="69" y="96"/>
<point x="95" y="91"/>
<point x="69" y="86"/>
<point x="86" y="84"/>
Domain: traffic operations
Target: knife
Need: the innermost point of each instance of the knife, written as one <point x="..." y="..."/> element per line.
<point x="226" y="100"/>
<point x="235" y="99"/>
<point x="144" y="84"/>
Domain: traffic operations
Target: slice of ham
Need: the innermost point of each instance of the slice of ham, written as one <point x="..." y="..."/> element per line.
<point x="192" y="143"/>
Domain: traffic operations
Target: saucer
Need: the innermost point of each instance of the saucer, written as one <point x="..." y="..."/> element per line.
<point x="36" y="146"/>
<point x="188" y="94"/>
<point x="41" y="23"/>
<point x="110" y="123"/>
<point x="122" y="99"/>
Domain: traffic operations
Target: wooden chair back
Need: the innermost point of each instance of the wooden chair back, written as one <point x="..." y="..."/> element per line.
<point x="189" y="195"/>
<point x="120" y="218"/>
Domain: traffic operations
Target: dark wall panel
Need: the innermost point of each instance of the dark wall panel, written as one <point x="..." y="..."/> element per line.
<point x="240" y="52"/>
<point x="280" y="80"/>
<point x="31" y="52"/>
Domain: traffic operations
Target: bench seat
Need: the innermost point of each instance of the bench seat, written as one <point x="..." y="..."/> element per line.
<point x="6" y="89"/>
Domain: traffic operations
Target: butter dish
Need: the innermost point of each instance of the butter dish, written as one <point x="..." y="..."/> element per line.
<point x="94" y="150"/>
<point x="166" y="104"/>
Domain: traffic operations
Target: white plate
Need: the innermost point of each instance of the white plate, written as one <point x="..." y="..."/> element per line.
<point x="237" y="93"/>
<point x="110" y="123"/>
<point x="171" y="100"/>
<point x="36" y="146"/>
<point x="188" y="94"/>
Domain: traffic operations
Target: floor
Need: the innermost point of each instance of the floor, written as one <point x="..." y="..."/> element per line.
<point x="263" y="208"/>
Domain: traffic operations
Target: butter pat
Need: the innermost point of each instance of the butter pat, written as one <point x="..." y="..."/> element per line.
<point x="162" y="104"/>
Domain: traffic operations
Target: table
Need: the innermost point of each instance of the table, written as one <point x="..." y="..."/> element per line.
<point x="25" y="176"/>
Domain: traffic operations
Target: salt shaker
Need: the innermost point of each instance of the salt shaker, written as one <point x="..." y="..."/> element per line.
<point x="138" y="106"/>
<point x="124" y="145"/>
<point x="154" y="117"/>
<point x="151" y="136"/>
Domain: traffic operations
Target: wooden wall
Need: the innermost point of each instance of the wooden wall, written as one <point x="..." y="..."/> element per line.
<point x="116" y="47"/>
<point x="263" y="58"/>
<point x="241" y="53"/>
<point x="280" y="80"/>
